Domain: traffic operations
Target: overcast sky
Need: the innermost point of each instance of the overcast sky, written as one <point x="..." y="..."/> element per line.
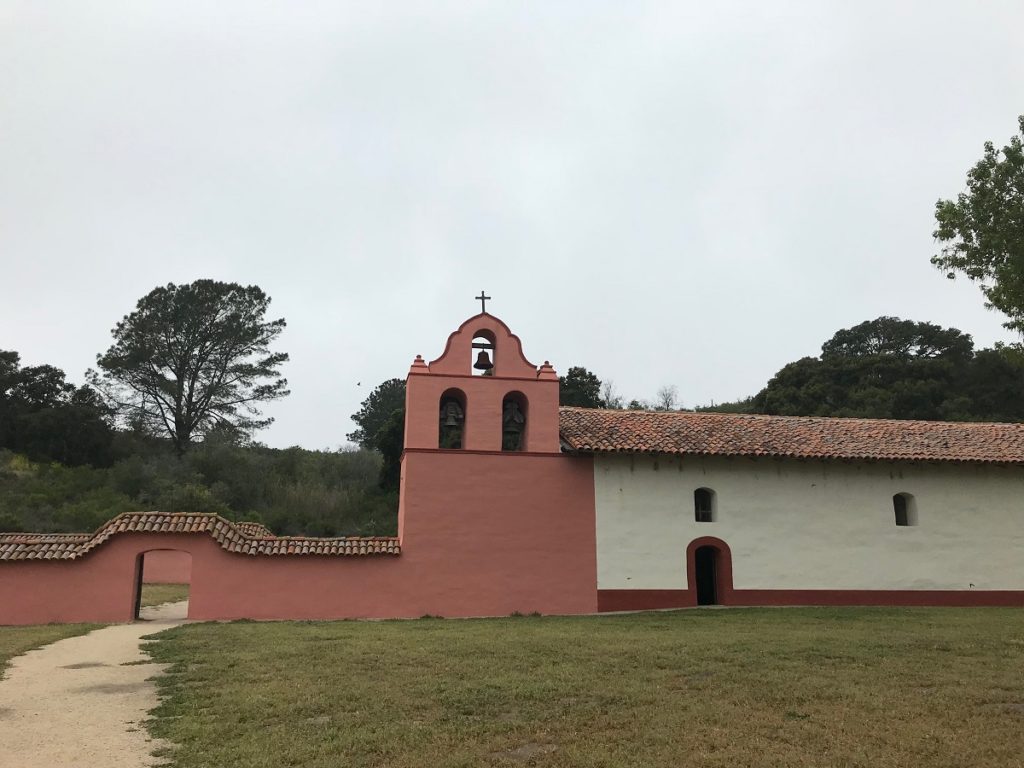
<point x="667" y="193"/>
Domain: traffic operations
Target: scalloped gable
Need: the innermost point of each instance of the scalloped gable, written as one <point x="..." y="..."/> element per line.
<point x="509" y="360"/>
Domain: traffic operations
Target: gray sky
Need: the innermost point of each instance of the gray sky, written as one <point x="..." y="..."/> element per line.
<point x="667" y="193"/>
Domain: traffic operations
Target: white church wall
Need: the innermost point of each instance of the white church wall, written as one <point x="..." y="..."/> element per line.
<point x="811" y="525"/>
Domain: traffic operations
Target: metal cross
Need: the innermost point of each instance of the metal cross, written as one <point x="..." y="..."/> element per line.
<point x="483" y="298"/>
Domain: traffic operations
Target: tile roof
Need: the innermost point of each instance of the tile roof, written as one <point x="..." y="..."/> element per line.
<point x="590" y="430"/>
<point x="259" y="530"/>
<point x="242" y="538"/>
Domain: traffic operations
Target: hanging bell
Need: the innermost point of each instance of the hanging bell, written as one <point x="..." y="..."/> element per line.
<point x="483" y="361"/>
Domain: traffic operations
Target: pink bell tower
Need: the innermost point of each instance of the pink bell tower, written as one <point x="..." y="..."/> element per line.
<point x="492" y="515"/>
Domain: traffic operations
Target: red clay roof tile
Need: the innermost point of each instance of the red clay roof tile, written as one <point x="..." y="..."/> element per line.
<point x="588" y="430"/>
<point x="245" y="538"/>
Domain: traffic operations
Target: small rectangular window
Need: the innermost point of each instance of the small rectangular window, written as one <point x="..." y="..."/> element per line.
<point x="704" y="505"/>
<point x="905" y="509"/>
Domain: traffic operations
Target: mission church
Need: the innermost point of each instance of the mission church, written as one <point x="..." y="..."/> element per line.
<point x="511" y="503"/>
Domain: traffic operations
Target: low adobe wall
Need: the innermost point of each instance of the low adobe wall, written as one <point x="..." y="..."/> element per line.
<point x="167" y="566"/>
<point x="483" y="535"/>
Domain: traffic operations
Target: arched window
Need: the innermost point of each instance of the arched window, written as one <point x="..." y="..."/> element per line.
<point x="484" y="353"/>
<point x="452" y="419"/>
<point x="704" y="505"/>
<point x="513" y="422"/>
<point x="905" y="508"/>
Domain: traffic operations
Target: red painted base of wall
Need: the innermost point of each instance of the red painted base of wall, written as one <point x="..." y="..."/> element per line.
<point x="657" y="599"/>
<point x="643" y="599"/>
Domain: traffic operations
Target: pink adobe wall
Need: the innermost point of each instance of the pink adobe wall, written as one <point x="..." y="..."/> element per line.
<point x="498" y="532"/>
<point x="484" y="535"/>
<point x="99" y="587"/>
<point x="167" y="566"/>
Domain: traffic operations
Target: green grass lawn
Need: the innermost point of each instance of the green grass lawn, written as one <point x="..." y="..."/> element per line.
<point x="14" y="641"/>
<point x="756" y="687"/>
<point x="156" y="594"/>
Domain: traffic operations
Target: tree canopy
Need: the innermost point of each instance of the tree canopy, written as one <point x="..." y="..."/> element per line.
<point x="375" y="411"/>
<point x="581" y="388"/>
<point x="192" y="358"/>
<point x="381" y="427"/>
<point x="49" y="419"/>
<point x="898" y="369"/>
<point x="982" y="231"/>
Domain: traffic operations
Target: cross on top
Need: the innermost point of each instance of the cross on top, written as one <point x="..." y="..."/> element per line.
<point x="483" y="298"/>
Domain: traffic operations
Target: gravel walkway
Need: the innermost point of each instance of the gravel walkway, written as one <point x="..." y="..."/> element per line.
<point x="75" y="703"/>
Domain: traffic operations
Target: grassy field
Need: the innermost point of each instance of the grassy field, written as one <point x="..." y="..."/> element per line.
<point x="155" y="594"/>
<point x="14" y="641"/>
<point x="789" y="687"/>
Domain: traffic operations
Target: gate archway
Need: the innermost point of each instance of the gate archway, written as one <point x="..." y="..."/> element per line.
<point x="161" y="576"/>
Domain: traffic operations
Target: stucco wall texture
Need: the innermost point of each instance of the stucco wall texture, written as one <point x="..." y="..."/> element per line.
<point x="811" y="525"/>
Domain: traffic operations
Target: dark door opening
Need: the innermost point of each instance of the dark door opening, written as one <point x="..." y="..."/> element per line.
<point x="162" y="584"/>
<point x="705" y="561"/>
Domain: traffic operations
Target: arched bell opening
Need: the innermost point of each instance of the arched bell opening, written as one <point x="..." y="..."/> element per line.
<point x="452" y="421"/>
<point x="514" y="422"/>
<point x="484" y="355"/>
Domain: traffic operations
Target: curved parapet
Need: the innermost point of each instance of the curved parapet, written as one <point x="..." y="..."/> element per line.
<point x="509" y="360"/>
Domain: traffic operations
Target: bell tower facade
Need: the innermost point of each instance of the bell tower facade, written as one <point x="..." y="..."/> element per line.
<point x="493" y="516"/>
<point x="482" y="394"/>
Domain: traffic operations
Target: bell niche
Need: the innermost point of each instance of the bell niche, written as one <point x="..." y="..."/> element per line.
<point x="513" y="422"/>
<point x="452" y="420"/>
<point x="482" y="395"/>
<point x="483" y="359"/>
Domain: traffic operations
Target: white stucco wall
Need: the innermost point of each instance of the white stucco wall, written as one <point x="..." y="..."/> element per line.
<point x="810" y="525"/>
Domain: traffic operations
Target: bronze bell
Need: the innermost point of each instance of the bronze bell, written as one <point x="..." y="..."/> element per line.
<point x="452" y="419"/>
<point x="483" y="361"/>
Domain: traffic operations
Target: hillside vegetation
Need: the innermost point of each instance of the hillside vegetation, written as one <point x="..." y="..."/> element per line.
<point x="293" y="491"/>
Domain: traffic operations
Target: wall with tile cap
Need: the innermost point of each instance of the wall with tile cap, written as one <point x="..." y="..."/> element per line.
<point x="483" y="535"/>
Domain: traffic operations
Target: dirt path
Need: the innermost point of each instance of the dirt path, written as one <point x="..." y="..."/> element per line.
<point x="73" y="703"/>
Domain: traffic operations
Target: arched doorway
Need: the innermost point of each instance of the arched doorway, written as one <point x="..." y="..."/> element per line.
<point x="163" y="578"/>
<point x="709" y="571"/>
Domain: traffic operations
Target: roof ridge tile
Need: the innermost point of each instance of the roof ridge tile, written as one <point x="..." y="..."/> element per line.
<point x="232" y="537"/>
